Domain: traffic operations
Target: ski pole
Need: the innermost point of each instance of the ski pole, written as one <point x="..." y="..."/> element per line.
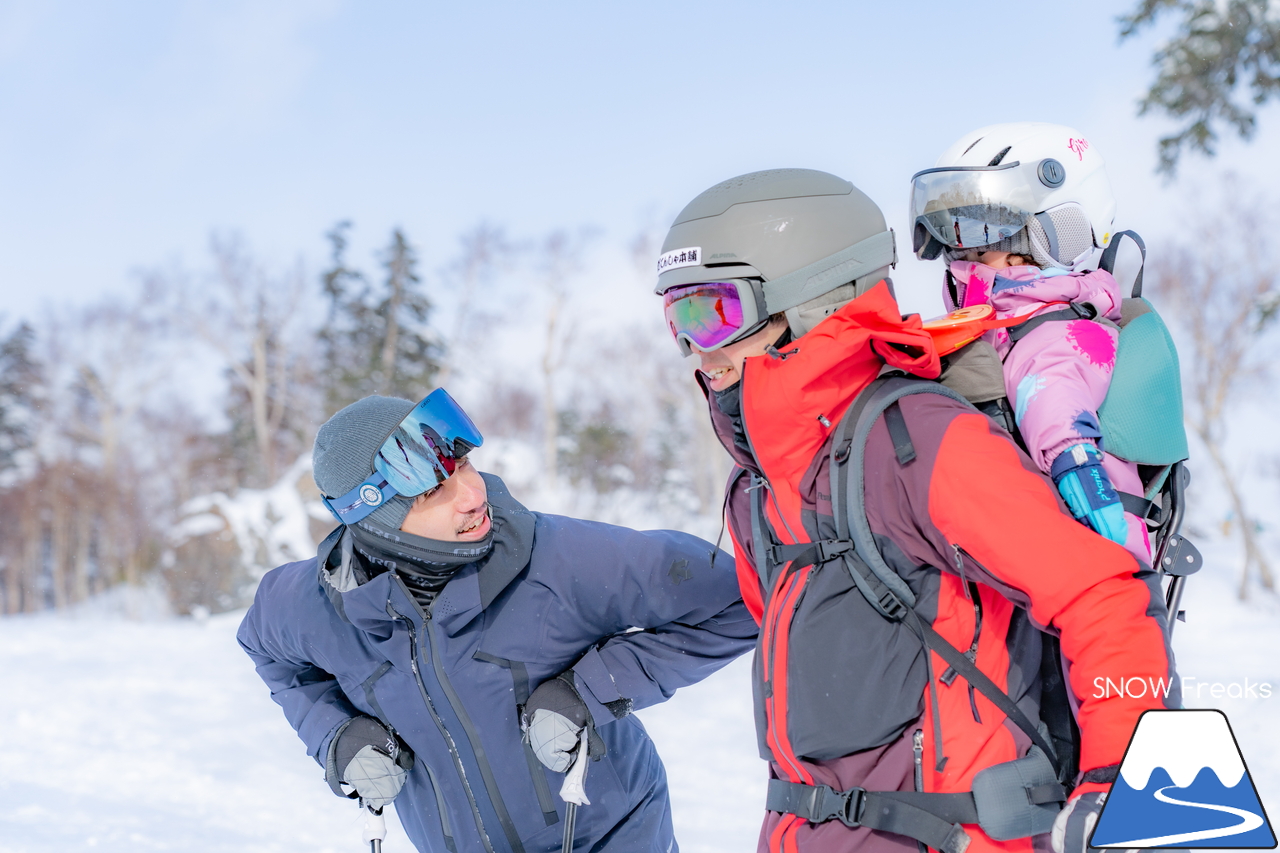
<point x="573" y="791"/>
<point x="375" y="829"/>
<point x="570" y="817"/>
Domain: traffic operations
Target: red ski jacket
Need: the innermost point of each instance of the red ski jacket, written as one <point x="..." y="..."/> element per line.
<point x="982" y="539"/>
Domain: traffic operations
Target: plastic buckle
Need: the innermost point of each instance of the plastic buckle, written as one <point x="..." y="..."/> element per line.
<point x="893" y="606"/>
<point x="842" y="452"/>
<point x="852" y="803"/>
<point x="829" y="549"/>
<point x="774" y="553"/>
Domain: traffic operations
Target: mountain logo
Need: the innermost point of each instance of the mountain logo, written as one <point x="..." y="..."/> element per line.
<point x="1183" y="781"/>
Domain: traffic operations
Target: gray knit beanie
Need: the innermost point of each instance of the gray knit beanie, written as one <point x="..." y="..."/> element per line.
<point x="344" y="449"/>
<point x="1016" y="244"/>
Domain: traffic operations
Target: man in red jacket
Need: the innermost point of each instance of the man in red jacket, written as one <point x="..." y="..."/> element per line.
<point x="778" y="282"/>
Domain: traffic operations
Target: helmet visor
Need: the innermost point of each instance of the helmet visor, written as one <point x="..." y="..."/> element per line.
<point x="710" y="314"/>
<point x="421" y="453"/>
<point x="969" y="207"/>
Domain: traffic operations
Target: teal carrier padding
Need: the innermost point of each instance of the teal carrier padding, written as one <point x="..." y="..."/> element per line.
<point x="1142" y="415"/>
<point x="1142" y="422"/>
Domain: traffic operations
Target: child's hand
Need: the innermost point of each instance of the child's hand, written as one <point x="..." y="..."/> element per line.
<point x="1087" y="489"/>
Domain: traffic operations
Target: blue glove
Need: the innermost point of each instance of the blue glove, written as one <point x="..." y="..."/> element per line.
<point x="1087" y="489"/>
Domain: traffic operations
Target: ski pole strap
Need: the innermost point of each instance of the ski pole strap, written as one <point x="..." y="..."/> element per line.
<point x="931" y="818"/>
<point x="1073" y="311"/>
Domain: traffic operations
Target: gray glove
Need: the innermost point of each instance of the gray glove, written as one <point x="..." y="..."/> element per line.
<point x="552" y="721"/>
<point x="369" y="758"/>
<point x="1074" y="824"/>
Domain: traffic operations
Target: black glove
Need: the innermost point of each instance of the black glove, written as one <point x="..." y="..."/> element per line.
<point x="370" y="759"/>
<point x="552" y="721"/>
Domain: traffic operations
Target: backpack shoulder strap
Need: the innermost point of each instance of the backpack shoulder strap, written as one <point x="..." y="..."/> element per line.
<point x="867" y="565"/>
<point x="1107" y="262"/>
<point x="848" y="457"/>
<point x="761" y="537"/>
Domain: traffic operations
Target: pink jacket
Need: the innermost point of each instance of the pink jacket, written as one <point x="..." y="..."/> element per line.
<point x="1058" y="375"/>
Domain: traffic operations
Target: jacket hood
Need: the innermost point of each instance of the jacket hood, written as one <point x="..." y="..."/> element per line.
<point x="361" y="597"/>
<point x="787" y="396"/>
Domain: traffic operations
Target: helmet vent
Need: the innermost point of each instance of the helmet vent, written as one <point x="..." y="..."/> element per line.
<point x="746" y="181"/>
<point x="971" y="144"/>
<point x="995" y="161"/>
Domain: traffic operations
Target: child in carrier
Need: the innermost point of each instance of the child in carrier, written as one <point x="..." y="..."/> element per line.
<point x="1017" y="211"/>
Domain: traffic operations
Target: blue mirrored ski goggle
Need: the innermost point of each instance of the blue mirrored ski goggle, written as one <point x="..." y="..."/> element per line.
<point x="419" y="454"/>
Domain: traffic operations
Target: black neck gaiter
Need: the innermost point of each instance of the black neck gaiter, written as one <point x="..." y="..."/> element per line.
<point x="425" y="565"/>
<point x="729" y="402"/>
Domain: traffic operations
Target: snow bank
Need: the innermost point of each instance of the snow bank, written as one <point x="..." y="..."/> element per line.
<point x="270" y="525"/>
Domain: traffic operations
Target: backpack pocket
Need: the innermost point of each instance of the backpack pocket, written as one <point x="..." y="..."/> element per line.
<point x="1018" y="799"/>
<point x="831" y="711"/>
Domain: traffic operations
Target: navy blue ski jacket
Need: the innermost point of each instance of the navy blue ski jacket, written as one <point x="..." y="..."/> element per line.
<point x="448" y="679"/>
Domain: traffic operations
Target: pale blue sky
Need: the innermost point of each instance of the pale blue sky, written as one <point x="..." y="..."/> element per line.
<point x="129" y="131"/>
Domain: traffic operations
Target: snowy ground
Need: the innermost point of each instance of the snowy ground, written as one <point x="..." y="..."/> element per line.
<point x="122" y="735"/>
<point x="155" y="734"/>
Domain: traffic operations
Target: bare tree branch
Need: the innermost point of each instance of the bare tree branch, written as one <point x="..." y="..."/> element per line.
<point x="1222" y="283"/>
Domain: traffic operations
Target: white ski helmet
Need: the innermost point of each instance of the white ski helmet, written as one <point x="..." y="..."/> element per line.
<point x="1026" y="187"/>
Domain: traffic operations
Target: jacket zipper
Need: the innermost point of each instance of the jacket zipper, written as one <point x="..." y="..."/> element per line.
<point x="520" y="690"/>
<point x="786" y="585"/>
<point x="791" y="761"/>
<point x="371" y="697"/>
<point x="958" y="551"/>
<point x="477" y="749"/>
<point x="971" y="593"/>
<point x="444" y="732"/>
<point x="917" y="751"/>
<point x="774" y="605"/>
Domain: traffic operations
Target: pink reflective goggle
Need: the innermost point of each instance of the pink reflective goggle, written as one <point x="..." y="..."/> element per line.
<point x="711" y="314"/>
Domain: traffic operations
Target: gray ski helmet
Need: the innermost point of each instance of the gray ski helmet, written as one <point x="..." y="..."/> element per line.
<point x="815" y="240"/>
<point x="343" y="453"/>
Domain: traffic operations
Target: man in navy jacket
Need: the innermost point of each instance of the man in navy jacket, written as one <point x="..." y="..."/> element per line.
<point x="430" y="626"/>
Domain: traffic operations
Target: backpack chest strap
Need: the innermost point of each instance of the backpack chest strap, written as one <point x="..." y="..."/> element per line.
<point x="1073" y="311"/>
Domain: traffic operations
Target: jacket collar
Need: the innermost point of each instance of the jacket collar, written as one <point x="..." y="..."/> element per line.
<point x="792" y="400"/>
